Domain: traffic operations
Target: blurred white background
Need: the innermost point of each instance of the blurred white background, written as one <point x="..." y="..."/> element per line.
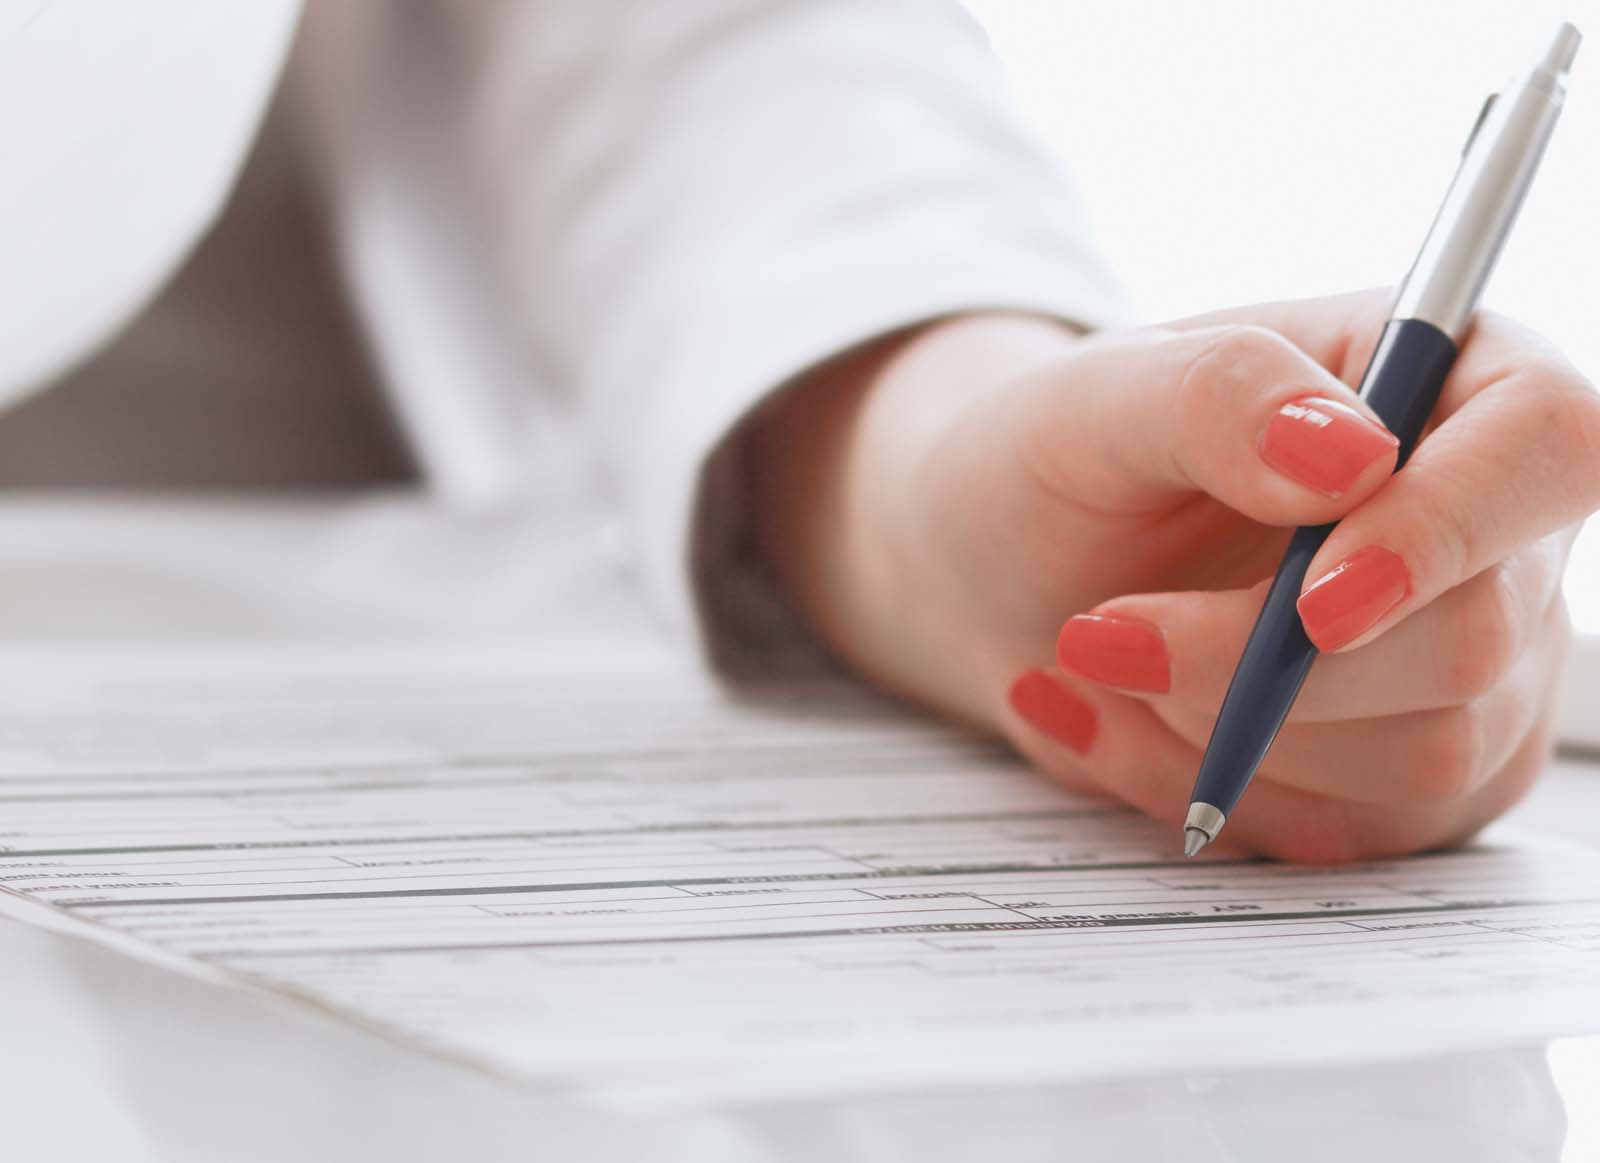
<point x="1242" y="150"/>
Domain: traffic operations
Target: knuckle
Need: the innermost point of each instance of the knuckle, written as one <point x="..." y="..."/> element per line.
<point x="1480" y="644"/>
<point x="1244" y="342"/>
<point x="1326" y="846"/>
<point x="1231" y="360"/>
<point x="1504" y="347"/>
<point x="1444" y="755"/>
<point x="1193" y="725"/>
<point x="1561" y="408"/>
<point x="1349" y="840"/>
<point x="1031" y="447"/>
<point x="1333" y="836"/>
<point x="1354" y="832"/>
<point x="1437" y="501"/>
<point x="1231" y="352"/>
<point x="1228" y="357"/>
<point x="1577" y="413"/>
<point x="1410" y="838"/>
<point x="1054" y="763"/>
<point x="1516" y="777"/>
<point x="1491" y="325"/>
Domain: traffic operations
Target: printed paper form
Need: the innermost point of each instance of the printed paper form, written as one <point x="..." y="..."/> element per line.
<point x="605" y="875"/>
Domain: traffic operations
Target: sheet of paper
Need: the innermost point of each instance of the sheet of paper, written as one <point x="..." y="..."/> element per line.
<point x="607" y="875"/>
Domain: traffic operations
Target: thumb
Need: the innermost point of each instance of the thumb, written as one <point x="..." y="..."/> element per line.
<point x="1132" y="421"/>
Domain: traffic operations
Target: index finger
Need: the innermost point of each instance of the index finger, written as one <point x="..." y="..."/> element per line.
<point x="1518" y="460"/>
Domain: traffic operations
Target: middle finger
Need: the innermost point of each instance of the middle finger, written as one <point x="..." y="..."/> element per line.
<point x="1179" y="650"/>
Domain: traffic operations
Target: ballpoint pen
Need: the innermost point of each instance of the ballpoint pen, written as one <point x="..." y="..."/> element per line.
<point x="1401" y="384"/>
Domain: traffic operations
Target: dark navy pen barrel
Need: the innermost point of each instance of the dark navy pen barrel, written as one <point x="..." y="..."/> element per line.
<point x="1404" y="377"/>
<point x="1276" y="659"/>
<point x="1401" y="384"/>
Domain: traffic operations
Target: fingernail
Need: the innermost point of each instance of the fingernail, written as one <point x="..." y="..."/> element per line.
<point x="1055" y="710"/>
<point x="1348" y="600"/>
<point x="1323" y="444"/>
<point x="1116" y="650"/>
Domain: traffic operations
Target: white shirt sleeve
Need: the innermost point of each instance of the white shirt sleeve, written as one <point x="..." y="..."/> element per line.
<point x="693" y="202"/>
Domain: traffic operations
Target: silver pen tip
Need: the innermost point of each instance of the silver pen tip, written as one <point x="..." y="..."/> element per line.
<point x="1201" y="826"/>
<point x="1563" y="49"/>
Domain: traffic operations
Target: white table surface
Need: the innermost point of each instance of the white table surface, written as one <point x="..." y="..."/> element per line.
<point x="106" y="1058"/>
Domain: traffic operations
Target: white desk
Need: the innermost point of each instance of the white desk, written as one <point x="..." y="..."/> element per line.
<point x="107" y="1058"/>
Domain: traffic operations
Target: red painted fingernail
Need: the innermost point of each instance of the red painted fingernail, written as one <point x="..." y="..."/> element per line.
<point x="1055" y="710"/>
<point x="1116" y="650"/>
<point x="1323" y="444"/>
<point x="1348" y="600"/>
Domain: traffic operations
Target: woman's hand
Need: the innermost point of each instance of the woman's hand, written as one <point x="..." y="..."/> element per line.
<point x="1067" y="540"/>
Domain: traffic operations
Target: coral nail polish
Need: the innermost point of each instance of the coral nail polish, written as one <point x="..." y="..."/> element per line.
<point x="1348" y="600"/>
<point x="1116" y="650"/>
<point x="1323" y="444"/>
<point x="1048" y="705"/>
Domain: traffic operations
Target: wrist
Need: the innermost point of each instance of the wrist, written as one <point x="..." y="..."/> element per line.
<point x="835" y="460"/>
